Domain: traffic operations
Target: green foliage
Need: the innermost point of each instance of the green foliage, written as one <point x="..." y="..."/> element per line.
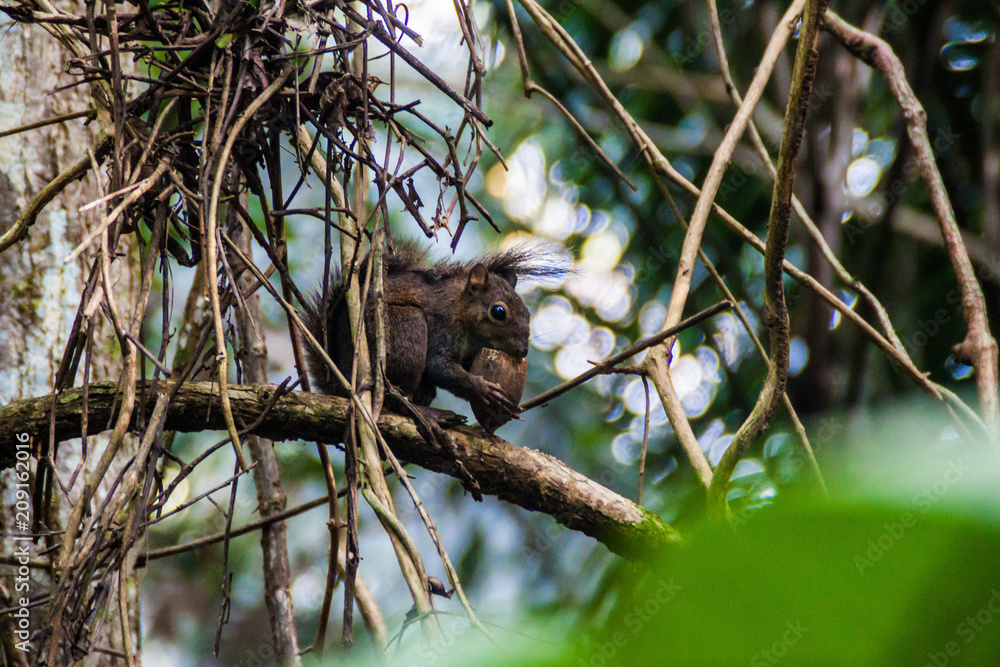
<point x="894" y="569"/>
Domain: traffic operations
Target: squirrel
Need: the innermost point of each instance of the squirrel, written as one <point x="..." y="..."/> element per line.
<point x="439" y="319"/>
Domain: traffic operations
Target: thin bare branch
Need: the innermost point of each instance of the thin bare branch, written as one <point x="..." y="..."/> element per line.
<point x="979" y="349"/>
<point x="776" y="312"/>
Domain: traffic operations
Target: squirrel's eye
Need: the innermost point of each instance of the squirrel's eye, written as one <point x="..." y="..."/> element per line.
<point x="498" y="312"/>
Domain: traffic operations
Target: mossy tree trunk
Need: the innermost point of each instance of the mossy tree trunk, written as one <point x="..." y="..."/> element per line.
<point x="40" y="295"/>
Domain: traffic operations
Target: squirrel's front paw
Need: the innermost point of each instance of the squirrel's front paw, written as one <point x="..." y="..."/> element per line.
<point x="445" y="418"/>
<point x="496" y="397"/>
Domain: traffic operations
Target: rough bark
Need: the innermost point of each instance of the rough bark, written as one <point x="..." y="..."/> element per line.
<point x="270" y="495"/>
<point x="525" y="477"/>
<point x="40" y="294"/>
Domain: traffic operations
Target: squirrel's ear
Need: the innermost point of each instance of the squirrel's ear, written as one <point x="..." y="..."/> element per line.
<point x="509" y="276"/>
<point x="478" y="276"/>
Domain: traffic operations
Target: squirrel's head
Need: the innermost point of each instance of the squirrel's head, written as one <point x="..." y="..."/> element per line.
<point x="493" y="314"/>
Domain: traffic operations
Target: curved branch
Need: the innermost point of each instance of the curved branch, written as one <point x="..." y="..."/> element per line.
<point x="20" y="228"/>
<point x="775" y="311"/>
<point x="211" y="250"/>
<point x="525" y="477"/>
<point x="979" y="349"/>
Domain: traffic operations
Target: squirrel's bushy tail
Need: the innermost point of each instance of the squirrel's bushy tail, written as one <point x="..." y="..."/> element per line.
<point x="527" y="260"/>
<point x="323" y="311"/>
<point x="317" y="319"/>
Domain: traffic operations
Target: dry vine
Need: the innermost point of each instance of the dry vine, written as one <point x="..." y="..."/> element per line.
<point x="181" y="152"/>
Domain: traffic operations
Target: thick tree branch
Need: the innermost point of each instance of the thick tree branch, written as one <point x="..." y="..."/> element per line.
<point x="525" y="477"/>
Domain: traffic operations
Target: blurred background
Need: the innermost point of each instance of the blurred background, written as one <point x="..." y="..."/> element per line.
<point x="855" y="178"/>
